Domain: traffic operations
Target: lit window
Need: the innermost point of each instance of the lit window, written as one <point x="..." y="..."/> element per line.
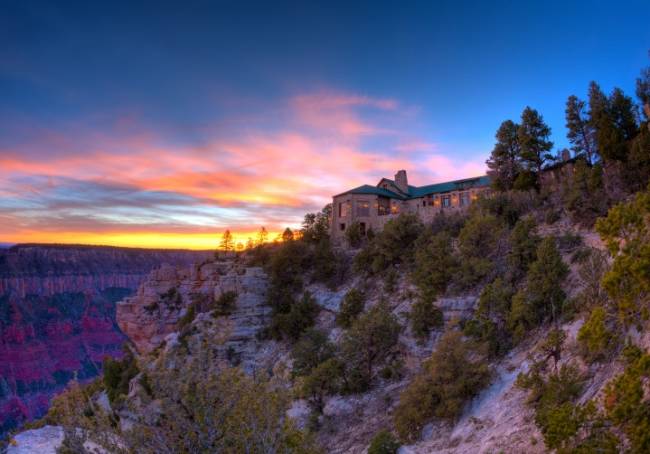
<point x="394" y="209"/>
<point x="344" y="209"/>
<point x="446" y="201"/>
<point x="363" y="208"/>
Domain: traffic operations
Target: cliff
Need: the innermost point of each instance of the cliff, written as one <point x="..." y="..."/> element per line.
<point x="57" y="317"/>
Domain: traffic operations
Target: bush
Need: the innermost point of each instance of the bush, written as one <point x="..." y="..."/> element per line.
<point x="391" y="246"/>
<point x="353" y="234"/>
<point x="369" y="341"/>
<point x="323" y="380"/>
<point x="542" y="296"/>
<point x="435" y="264"/>
<point x="383" y="443"/>
<point x="489" y="323"/>
<point x="312" y="349"/>
<point x="424" y="317"/>
<point x="118" y="374"/>
<point x="455" y="373"/>
<point x="595" y="338"/>
<point x="351" y="306"/>
<point x="479" y="247"/>
<point x="523" y="248"/>
<point x="302" y="315"/>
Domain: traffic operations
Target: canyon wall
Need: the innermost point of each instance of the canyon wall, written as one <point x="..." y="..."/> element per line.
<point x="57" y="316"/>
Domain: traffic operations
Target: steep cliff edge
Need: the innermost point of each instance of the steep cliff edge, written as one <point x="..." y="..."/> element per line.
<point x="57" y="317"/>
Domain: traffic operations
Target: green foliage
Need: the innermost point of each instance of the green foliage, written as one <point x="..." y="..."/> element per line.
<point x="323" y="380"/>
<point x="542" y="297"/>
<point x="504" y="162"/>
<point x="384" y="442"/>
<point x="479" y="245"/>
<point x="595" y="338"/>
<point x="523" y="248"/>
<point x="351" y="306"/>
<point x="626" y="233"/>
<point x="118" y="374"/>
<point x="316" y="226"/>
<point x="489" y="323"/>
<point x="552" y="396"/>
<point x="580" y="131"/>
<point x="424" y="317"/>
<point x="507" y="206"/>
<point x="434" y="265"/>
<point x="301" y="315"/>
<point x="533" y="135"/>
<point x="371" y="339"/>
<point x="353" y="234"/>
<point x="455" y="373"/>
<point x="392" y="246"/>
<point x="312" y="349"/>
<point x="585" y="197"/>
<point x="626" y="404"/>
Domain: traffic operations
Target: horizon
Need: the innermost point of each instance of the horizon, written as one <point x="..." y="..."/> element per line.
<point x="157" y="126"/>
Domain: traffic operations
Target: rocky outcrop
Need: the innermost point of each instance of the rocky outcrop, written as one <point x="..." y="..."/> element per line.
<point x="153" y="313"/>
<point x="57" y="317"/>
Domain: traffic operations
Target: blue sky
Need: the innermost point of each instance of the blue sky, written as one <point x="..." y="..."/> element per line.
<point x="219" y="89"/>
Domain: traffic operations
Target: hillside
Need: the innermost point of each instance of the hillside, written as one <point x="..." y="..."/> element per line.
<point x="57" y="317"/>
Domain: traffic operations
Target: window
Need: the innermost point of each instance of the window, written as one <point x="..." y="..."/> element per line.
<point x="446" y="201"/>
<point x="383" y="206"/>
<point x="344" y="209"/>
<point x="342" y="226"/>
<point x="362" y="228"/>
<point x="363" y="208"/>
<point x="424" y="203"/>
<point x="394" y="209"/>
<point x="464" y="199"/>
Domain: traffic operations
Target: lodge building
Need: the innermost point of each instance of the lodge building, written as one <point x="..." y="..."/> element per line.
<point x="373" y="206"/>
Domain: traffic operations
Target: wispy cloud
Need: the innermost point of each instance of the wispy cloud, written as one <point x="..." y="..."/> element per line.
<point x="132" y="181"/>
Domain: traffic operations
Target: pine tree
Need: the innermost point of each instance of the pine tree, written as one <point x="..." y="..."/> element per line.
<point x="580" y="133"/>
<point x="609" y="136"/>
<point x="262" y="236"/>
<point x="504" y="161"/>
<point x="227" y="241"/>
<point x="533" y="135"/>
<point x="643" y="91"/>
<point x="287" y="235"/>
<point x="623" y="113"/>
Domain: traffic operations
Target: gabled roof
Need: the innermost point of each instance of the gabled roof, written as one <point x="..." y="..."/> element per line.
<point x="416" y="192"/>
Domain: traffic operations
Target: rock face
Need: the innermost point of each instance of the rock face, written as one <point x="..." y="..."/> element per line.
<point x="45" y="440"/>
<point x="163" y="299"/>
<point x="57" y="317"/>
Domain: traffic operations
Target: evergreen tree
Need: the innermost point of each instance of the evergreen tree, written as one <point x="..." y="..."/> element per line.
<point x="227" y="241"/>
<point x="533" y="135"/>
<point x="262" y="236"/>
<point x="643" y="91"/>
<point x="623" y="113"/>
<point x="580" y="133"/>
<point x="504" y="161"/>
<point x="287" y="235"/>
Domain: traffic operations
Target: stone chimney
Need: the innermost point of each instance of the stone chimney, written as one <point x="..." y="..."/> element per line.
<point x="566" y="155"/>
<point x="401" y="181"/>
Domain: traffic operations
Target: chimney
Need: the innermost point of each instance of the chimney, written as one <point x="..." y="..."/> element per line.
<point x="566" y="155"/>
<point x="401" y="181"/>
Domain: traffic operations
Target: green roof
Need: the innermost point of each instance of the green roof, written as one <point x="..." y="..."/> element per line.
<point x="416" y="192"/>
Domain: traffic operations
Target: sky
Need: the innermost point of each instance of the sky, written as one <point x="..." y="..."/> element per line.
<point x="161" y="124"/>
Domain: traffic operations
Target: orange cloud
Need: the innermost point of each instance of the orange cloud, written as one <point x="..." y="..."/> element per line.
<point x="241" y="180"/>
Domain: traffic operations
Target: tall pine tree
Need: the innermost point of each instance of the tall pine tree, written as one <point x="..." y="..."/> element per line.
<point x="581" y="132"/>
<point x="533" y="135"/>
<point x="504" y="161"/>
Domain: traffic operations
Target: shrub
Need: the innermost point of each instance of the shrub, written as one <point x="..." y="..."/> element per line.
<point x="302" y="315"/>
<point x="312" y="349"/>
<point x="489" y="323"/>
<point x="351" y="306"/>
<point x="523" y="248"/>
<point x="383" y="443"/>
<point x="435" y="264"/>
<point x="594" y="336"/>
<point x="478" y="245"/>
<point x="353" y="234"/>
<point x="424" y="317"/>
<point x="323" y="380"/>
<point x="542" y="296"/>
<point x="369" y="341"/>
<point x="455" y="373"/>
<point x="118" y="374"/>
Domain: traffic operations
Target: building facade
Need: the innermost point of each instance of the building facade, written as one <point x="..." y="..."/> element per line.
<point x="373" y="206"/>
